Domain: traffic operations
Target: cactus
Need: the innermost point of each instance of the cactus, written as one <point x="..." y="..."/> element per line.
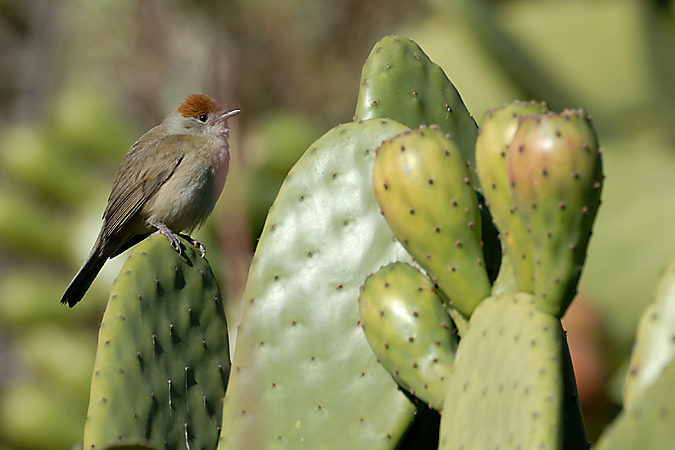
<point x="646" y="420"/>
<point x="492" y="146"/>
<point x="162" y="361"/>
<point x="506" y="279"/>
<point x="303" y="373"/>
<point x="555" y="170"/>
<point x="345" y="339"/>
<point x="648" y="424"/>
<point x="654" y="345"/>
<point x="509" y="373"/>
<point x="409" y="331"/>
<point x="422" y="185"/>
<point x="399" y="81"/>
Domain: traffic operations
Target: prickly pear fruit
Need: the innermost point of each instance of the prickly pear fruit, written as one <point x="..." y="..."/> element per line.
<point x="649" y="421"/>
<point x="509" y="372"/>
<point x="408" y="329"/>
<point x="555" y="170"/>
<point x="162" y="361"/>
<point x="303" y="372"/>
<point x="492" y="146"/>
<point x="400" y="82"/>
<point x="654" y="346"/>
<point x="423" y="188"/>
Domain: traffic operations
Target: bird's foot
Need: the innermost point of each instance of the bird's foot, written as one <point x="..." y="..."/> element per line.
<point x="196" y="243"/>
<point x="174" y="238"/>
<point x="170" y="235"/>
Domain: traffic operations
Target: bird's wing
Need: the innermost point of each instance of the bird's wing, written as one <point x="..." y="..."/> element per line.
<point x="133" y="186"/>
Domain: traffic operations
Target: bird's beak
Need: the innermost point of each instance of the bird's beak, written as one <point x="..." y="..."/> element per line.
<point x="229" y="114"/>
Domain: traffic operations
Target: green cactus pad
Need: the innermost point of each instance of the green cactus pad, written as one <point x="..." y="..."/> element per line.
<point x="648" y="424"/>
<point x="303" y="373"/>
<point x="506" y="279"/>
<point x="422" y="185"/>
<point x="554" y="166"/>
<point x="409" y="330"/>
<point x="399" y="81"/>
<point x="162" y="361"/>
<point x="654" y="345"/>
<point x="492" y="146"/>
<point x="508" y="380"/>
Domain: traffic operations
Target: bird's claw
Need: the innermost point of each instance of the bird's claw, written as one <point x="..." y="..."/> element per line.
<point x="196" y="243"/>
<point x="170" y="235"/>
<point x="175" y="241"/>
<point x="200" y="246"/>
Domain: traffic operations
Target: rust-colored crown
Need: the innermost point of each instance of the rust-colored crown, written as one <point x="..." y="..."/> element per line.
<point x="197" y="104"/>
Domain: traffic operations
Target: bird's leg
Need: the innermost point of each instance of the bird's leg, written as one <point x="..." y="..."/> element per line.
<point x="170" y="235"/>
<point x="196" y="243"/>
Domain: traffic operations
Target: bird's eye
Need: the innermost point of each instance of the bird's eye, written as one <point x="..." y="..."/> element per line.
<point x="202" y="118"/>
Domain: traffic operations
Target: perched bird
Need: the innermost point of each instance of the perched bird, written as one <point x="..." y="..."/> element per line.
<point x="168" y="183"/>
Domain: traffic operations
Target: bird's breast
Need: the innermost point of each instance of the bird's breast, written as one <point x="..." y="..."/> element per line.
<point x="188" y="196"/>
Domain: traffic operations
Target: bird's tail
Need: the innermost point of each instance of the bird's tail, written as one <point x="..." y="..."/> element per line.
<point x="85" y="276"/>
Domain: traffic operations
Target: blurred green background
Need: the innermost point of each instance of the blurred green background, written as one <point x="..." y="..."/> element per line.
<point x="81" y="80"/>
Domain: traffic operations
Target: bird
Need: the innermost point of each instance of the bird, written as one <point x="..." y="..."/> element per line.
<point x="167" y="183"/>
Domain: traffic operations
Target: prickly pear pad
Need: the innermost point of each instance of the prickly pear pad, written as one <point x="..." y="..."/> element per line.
<point x="409" y="330"/>
<point x="399" y="81"/>
<point x="507" y="379"/>
<point x="303" y="373"/>
<point x="654" y="346"/>
<point x="162" y="361"/>
<point x="648" y="424"/>
<point x="423" y="188"/>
